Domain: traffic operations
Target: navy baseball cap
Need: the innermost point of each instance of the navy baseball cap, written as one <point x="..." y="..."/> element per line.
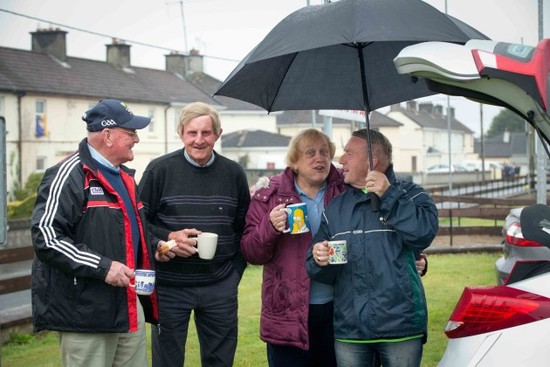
<point x="113" y="113"/>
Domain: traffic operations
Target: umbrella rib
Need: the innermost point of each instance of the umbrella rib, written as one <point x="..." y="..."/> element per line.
<point x="270" y="106"/>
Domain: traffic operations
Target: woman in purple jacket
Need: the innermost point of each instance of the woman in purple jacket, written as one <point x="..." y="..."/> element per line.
<point x="296" y="320"/>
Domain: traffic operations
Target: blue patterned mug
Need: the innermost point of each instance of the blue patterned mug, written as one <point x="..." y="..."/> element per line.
<point x="144" y="281"/>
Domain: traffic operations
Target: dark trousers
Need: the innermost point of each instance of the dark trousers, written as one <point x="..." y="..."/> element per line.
<point x="321" y="343"/>
<point x="215" y="314"/>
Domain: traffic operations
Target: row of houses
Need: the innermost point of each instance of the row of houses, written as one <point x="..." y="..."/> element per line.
<point x="43" y="93"/>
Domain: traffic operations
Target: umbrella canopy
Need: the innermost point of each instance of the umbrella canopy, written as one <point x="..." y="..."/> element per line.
<point x="340" y="56"/>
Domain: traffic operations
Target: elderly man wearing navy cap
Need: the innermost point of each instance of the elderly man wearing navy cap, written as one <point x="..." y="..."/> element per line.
<point x="89" y="235"/>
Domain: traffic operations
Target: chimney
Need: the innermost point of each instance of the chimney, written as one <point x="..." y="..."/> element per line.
<point x="118" y="54"/>
<point x="438" y="110"/>
<point x="395" y="107"/>
<point x="184" y="64"/>
<point x="50" y="42"/>
<point x="428" y="107"/>
<point x="411" y="105"/>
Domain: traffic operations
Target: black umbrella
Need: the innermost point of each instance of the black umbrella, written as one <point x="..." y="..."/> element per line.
<point x="340" y="56"/>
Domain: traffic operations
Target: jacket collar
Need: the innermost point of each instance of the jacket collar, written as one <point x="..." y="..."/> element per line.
<point x="90" y="163"/>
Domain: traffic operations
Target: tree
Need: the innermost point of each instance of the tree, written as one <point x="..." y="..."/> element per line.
<point x="506" y="120"/>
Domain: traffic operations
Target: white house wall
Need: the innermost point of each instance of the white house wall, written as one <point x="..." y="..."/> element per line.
<point x="258" y="158"/>
<point x="232" y="121"/>
<point x="65" y="129"/>
<point x="409" y="142"/>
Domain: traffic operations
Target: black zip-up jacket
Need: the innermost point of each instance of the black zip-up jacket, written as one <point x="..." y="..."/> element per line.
<point x="79" y="226"/>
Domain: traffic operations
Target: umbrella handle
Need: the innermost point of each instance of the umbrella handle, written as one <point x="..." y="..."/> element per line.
<point x="375" y="202"/>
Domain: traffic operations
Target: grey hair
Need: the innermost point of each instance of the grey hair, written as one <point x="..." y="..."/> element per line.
<point x="198" y="109"/>
<point x="381" y="146"/>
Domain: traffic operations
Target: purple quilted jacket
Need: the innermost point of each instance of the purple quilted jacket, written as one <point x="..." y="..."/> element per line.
<point x="285" y="287"/>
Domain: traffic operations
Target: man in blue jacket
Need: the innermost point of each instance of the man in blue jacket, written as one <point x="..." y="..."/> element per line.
<point x="380" y="311"/>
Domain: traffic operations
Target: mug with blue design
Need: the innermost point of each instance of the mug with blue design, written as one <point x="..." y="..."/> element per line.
<point x="298" y="221"/>
<point x="144" y="281"/>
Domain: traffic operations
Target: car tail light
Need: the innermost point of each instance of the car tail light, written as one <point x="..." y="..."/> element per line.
<point x="484" y="309"/>
<point x="515" y="237"/>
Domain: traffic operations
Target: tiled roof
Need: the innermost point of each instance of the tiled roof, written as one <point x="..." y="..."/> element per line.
<point x="436" y="121"/>
<point x="254" y="138"/>
<point x="497" y="147"/>
<point x="26" y="71"/>
<point x="210" y="85"/>
<point x="304" y="116"/>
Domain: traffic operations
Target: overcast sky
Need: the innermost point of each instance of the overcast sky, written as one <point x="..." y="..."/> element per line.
<point x="225" y="31"/>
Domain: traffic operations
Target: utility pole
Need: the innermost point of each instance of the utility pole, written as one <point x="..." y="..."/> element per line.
<point x="449" y="133"/>
<point x="186" y="45"/>
<point x="3" y="185"/>
<point x="482" y="143"/>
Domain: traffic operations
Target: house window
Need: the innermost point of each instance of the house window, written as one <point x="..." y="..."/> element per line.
<point x="2" y="113"/>
<point x="151" y="127"/>
<point x="41" y="163"/>
<point x="414" y="163"/>
<point x="41" y="120"/>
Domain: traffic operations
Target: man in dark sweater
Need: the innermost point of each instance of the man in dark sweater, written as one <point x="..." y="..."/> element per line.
<point x="186" y="192"/>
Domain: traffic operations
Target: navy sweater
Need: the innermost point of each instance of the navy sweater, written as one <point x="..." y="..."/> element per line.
<point x="178" y="195"/>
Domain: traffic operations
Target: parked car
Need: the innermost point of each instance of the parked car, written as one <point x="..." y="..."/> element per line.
<point x="475" y="165"/>
<point x="506" y="325"/>
<point x="517" y="247"/>
<point x="503" y="325"/>
<point x="442" y="168"/>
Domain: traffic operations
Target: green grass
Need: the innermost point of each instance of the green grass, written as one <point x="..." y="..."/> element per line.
<point x="470" y="222"/>
<point x="446" y="278"/>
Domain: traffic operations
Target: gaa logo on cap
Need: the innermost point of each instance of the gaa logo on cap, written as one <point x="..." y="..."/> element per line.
<point x="107" y="123"/>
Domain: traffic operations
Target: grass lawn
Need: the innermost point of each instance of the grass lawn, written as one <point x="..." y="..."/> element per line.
<point x="446" y="278"/>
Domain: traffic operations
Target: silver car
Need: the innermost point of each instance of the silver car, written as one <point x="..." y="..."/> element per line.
<point x="516" y="247"/>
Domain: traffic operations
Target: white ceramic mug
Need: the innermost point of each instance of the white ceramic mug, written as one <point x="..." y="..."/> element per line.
<point x="144" y="281"/>
<point x="206" y="245"/>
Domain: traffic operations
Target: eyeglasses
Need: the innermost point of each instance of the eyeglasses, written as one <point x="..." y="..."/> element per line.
<point x="130" y="133"/>
<point x="310" y="153"/>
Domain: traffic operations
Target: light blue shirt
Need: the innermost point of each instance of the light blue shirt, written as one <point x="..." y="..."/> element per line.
<point x="194" y="163"/>
<point x="319" y="293"/>
<point x="101" y="159"/>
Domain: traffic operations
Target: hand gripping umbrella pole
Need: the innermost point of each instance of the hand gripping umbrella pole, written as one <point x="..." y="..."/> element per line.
<point x="374" y="198"/>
